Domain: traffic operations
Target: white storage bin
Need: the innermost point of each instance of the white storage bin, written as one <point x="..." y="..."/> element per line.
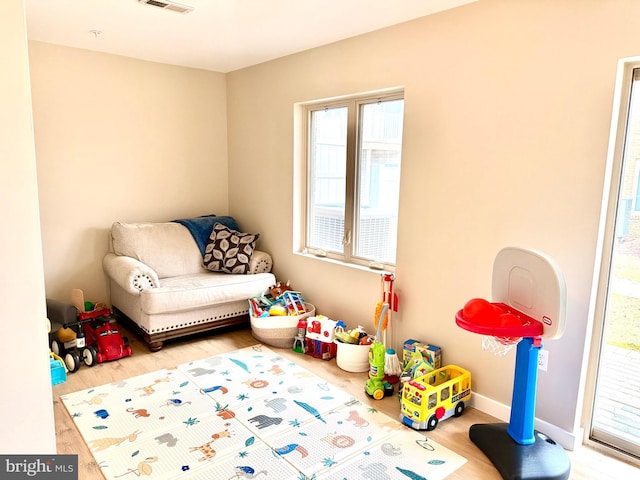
<point x="353" y="357"/>
<point x="278" y="331"/>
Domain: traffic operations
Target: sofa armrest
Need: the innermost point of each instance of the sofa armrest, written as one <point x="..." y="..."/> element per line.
<point x="131" y="274"/>
<point x="261" y="262"/>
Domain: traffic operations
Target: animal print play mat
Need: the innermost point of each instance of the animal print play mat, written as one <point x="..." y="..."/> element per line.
<point x="249" y="413"/>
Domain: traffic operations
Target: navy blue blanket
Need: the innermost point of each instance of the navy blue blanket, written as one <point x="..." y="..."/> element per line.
<point x="201" y="227"/>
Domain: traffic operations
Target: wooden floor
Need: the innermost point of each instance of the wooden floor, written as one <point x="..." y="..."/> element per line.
<point x="587" y="463"/>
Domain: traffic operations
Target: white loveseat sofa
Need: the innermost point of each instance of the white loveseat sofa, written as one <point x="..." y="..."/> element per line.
<point x="160" y="288"/>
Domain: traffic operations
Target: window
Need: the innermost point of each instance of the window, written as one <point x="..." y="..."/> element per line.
<point x="352" y="186"/>
<point x="444" y="394"/>
<point x="616" y="330"/>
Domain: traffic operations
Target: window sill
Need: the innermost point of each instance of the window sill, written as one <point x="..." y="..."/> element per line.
<point x="363" y="268"/>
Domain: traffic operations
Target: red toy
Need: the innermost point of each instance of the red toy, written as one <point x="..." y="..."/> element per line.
<point x="104" y="341"/>
<point x="96" y="340"/>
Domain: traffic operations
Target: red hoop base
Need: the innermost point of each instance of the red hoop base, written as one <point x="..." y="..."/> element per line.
<point x="500" y="321"/>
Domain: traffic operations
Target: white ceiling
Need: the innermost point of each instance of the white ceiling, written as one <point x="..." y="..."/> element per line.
<point x="219" y="35"/>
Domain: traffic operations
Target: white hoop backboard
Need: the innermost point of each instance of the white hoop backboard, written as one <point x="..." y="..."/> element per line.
<point x="532" y="283"/>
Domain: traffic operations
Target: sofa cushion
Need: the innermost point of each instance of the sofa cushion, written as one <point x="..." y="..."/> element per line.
<point x="228" y="250"/>
<point x="190" y="292"/>
<point x="168" y="248"/>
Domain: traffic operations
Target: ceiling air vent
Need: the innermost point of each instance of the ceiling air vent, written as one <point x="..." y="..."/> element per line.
<point x="167" y="5"/>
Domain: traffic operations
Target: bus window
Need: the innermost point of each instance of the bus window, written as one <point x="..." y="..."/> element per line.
<point x="433" y="400"/>
<point x="454" y="389"/>
<point x="407" y="392"/>
<point x="412" y="396"/>
<point x="444" y="394"/>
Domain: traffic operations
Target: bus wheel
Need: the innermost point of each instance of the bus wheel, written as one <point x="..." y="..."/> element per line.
<point x="432" y="423"/>
<point x="459" y="409"/>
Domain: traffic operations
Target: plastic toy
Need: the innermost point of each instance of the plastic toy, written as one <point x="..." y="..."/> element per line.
<point x="277" y="310"/>
<point x="98" y="340"/>
<point x="94" y="338"/>
<point x="320" y="336"/>
<point x="104" y="341"/>
<point x="298" y="340"/>
<point x="283" y="302"/>
<point x="434" y="397"/>
<point x="351" y="336"/>
<point x="417" y="367"/>
<point x="69" y="346"/>
<point x="294" y="302"/>
<point x="529" y="295"/>
<point x="376" y="386"/>
<point x="392" y="366"/>
<point x="259" y="306"/>
<point x="56" y="364"/>
<point x="58" y="369"/>
<point x="431" y="354"/>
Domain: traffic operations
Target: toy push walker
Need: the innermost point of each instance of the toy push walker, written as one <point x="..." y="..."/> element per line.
<point x="376" y="386"/>
<point x="530" y="303"/>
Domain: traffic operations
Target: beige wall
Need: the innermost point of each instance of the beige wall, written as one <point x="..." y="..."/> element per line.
<point x="120" y="139"/>
<point x="507" y="114"/>
<point x="26" y="409"/>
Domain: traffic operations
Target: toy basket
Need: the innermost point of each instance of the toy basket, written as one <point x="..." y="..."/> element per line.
<point x="279" y="331"/>
<point x="353" y="357"/>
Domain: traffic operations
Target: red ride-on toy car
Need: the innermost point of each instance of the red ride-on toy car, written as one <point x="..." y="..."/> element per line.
<point x="97" y="340"/>
<point x="94" y="338"/>
<point x="103" y="339"/>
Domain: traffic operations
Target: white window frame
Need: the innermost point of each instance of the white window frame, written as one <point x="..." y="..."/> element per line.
<point x="604" y="256"/>
<point x="302" y="125"/>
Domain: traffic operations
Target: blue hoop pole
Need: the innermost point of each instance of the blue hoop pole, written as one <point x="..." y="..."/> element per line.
<point x="523" y="404"/>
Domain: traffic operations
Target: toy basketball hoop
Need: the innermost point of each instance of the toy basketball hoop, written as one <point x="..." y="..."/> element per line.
<point x="531" y="286"/>
<point x="529" y="304"/>
<point x="499" y="346"/>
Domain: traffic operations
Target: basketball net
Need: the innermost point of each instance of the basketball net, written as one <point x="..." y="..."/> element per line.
<point x="499" y="346"/>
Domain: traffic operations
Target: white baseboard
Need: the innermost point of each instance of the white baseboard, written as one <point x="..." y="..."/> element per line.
<point x="569" y="440"/>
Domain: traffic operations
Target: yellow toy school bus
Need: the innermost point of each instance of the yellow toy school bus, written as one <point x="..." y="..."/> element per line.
<point x="435" y="396"/>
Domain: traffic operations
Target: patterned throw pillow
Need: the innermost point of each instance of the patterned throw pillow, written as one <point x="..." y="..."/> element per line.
<point x="228" y="250"/>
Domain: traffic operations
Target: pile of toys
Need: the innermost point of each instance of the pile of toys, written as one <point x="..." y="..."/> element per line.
<point x="318" y="336"/>
<point x="355" y="336"/>
<point x="93" y="338"/>
<point x="418" y="359"/>
<point x="280" y="301"/>
<point x="277" y="314"/>
<point x="353" y="348"/>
